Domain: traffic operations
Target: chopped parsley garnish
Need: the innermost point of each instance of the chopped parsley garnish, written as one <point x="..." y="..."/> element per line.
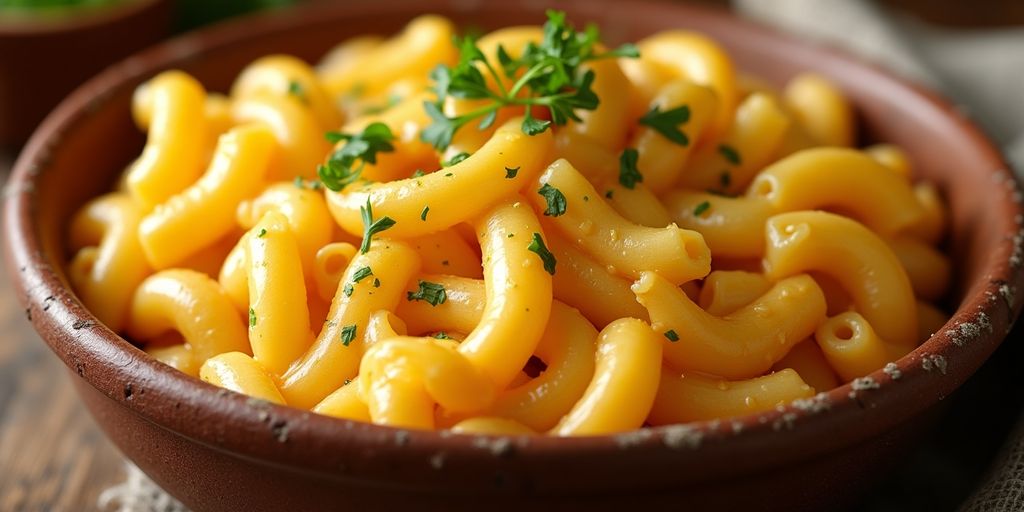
<point x="376" y="282"/>
<point x="549" y="73"/>
<point x="730" y="154"/>
<point x="361" y="273"/>
<point x="441" y="335"/>
<point x="418" y="173"/>
<point x="303" y="184"/>
<point x="252" y="317"/>
<point x="348" y="289"/>
<point x="348" y="333"/>
<point x="537" y="246"/>
<point x="725" y="179"/>
<point x="629" y="175"/>
<point x="423" y="214"/>
<point x="296" y="89"/>
<point x="342" y="168"/>
<point x="432" y="293"/>
<point x="667" y="123"/>
<point x="262" y="233"/>
<point x="372" y="227"/>
<point x="555" y="198"/>
<point x="671" y="335"/>
<point x="511" y="172"/>
<point x="701" y="208"/>
<point x="458" y="157"/>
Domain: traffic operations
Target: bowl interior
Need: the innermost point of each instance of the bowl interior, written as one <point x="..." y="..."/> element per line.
<point x="83" y="147"/>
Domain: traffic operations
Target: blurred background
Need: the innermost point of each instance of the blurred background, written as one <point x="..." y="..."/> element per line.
<point x="53" y="457"/>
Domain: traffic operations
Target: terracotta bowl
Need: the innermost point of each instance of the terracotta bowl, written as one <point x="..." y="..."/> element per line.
<point x="42" y="59"/>
<point x="216" y="450"/>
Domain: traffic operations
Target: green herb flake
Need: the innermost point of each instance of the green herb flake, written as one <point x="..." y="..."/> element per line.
<point x="701" y="208"/>
<point x="456" y="158"/>
<point x="345" y="164"/>
<point x="423" y="213"/>
<point x="730" y="154"/>
<point x="555" y="199"/>
<point x="372" y="227"/>
<point x="296" y="89"/>
<point x="348" y="334"/>
<point x="441" y="335"/>
<point x="262" y="233"/>
<point x="252" y="317"/>
<point x="725" y="179"/>
<point x="511" y="172"/>
<point x="361" y="273"/>
<point x="348" y="289"/>
<point x="537" y="246"/>
<point x="629" y="175"/>
<point x="431" y="293"/>
<point x="376" y="282"/>
<point x="667" y="122"/>
<point x="671" y="335"/>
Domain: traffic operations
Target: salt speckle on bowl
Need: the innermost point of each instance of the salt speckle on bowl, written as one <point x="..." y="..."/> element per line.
<point x="892" y="371"/>
<point x="817" y="403"/>
<point x="1008" y="294"/>
<point x="931" y="362"/>
<point x="401" y="437"/>
<point x="682" y="436"/>
<point x="786" y="421"/>
<point x="634" y="438"/>
<point x="864" y="384"/>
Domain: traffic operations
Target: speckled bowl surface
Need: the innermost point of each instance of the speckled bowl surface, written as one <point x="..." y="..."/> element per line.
<point x="217" y="450"/>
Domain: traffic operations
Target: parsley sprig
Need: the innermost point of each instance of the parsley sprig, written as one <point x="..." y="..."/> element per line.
<point x="546" y="76"/>
<point x="372" y="226"/>
<point x="346" y="163"/>
<point x="667" y="122"/>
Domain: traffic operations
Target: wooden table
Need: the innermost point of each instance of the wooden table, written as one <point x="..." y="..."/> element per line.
<point x="52" y="454"/>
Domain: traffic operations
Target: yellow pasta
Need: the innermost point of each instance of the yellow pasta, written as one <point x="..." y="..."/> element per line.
<point x="852" y="347"/>
<point x="287" y="76"/>
<point x="300" y="141"/>
<point x="854" y="184"/>
<point x="241" y="373"/>
<point x="527" y="233"/>
<point x="821" y="109"/>
<point x="278" y="315"/>
<point x="175" y="147"/>
<point x="694" y="397"/>
<point x="192" y="304"/>
<point x="750" y="144"/>
<point x="661" y="159"/>
<point x="483" y="174"/>
<point x="168" y="233"/>
<point x="620" y="396"/>
<point x="696" y="58"/>
<point x="109" y="263"/>
<point x="335" y="354"/>
<point x="677" y="254"/>
<point x="855" y="257"/>
<point x="743" y="344"/>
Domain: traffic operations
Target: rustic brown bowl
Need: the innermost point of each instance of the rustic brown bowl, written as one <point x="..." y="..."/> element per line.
<point x="216" y="450"/>
<point x="42" y="59"/>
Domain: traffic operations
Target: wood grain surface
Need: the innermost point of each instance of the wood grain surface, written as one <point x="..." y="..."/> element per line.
<point x="52" y="454"/>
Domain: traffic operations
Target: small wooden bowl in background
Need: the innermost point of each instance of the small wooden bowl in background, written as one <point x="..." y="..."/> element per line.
<point x="216" y="450"/>
<point x="45" y="57"/>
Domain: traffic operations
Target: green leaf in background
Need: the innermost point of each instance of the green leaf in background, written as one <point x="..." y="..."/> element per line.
<point x="196" y="13"/>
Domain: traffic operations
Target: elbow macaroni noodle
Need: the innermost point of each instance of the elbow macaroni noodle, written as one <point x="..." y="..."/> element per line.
<point x="747" y="256"/>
